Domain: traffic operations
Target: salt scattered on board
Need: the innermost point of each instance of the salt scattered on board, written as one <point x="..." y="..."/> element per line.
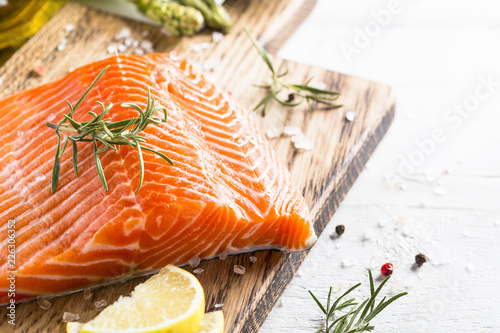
<point x="124" y="33"/>
<point x="350" y="115"/>
<point x="238" y="269"/>
<point x="223" y="255"/>
<point x="217" y="36"/>
<point x="194" y="262"/>
<point x="87" y="294"/>
<point x="198" y="270"/>
<point x="272" y="133"/>
<point x="69" y="27"/>
<point x="101" y="303"/>
<point x="292" y="130"/>
<point x="218" y="306"/>
<point x="43" y="303"/>
<point x="253" y="259"/>
<point x="68" y="316"/>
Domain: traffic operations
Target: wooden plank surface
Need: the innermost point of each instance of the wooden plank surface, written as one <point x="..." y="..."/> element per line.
<point x="325" y="174"/>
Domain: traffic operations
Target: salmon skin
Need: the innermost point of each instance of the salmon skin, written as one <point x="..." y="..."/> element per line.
<point x="227" y="193"/>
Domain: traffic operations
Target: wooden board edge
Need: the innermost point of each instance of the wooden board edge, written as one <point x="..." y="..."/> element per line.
<point x="251" y="323"/>
<point x="282" y="35"/>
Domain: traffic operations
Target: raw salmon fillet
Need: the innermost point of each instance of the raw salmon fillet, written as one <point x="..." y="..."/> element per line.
<point x="227" y="193"/>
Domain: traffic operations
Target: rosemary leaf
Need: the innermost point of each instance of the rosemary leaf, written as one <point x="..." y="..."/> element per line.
<point x="98" y="165"/>
<point x="75" y="158"/>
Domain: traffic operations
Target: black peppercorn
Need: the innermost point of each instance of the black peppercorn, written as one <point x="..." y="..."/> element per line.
<point x="420" y="259"/>
<point x="340" y="229"/>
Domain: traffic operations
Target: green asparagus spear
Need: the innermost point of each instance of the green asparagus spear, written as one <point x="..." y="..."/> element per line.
<point x="176" y="18"/>
<point x="216" y="17"/>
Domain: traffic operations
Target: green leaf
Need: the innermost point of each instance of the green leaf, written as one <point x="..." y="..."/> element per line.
<point x="75" y="158"/>
<point x="317" y="302"/>
<point x="141" y="165"/>
<point x="88" y="89"/>
<point x="159" y="154"/>
<point x="56" y="170"/>
<point x="98" y="165"/>
<point x="261" y="51"/>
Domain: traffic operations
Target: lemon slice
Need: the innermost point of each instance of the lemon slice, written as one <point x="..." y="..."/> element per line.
<point x="170" y="301"/>
<point x="213" y="322"/>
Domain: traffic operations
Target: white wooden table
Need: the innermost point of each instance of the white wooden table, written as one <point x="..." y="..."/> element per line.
<point x="433" y="185"/>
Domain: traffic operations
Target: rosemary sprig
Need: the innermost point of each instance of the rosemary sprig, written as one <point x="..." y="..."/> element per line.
<point x="358" y="317"/>
<point x="104" y="132"/>
<point x="298" y="92"/>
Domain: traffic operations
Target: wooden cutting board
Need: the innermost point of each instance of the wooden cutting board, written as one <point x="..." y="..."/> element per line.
<point x="324" y="174"/>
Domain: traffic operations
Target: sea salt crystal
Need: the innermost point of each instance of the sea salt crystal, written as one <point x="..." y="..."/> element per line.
<point x="238" y="269"/>
<point x="217" y="36"/>
<point x="253" y="259"/>
<point x="469" y="268"/>
<point x="121" y="48"/>
<point x="198" y="270"/>
<point x="112" y="49"/>
<point x="205" y="45"/>
<point x="440" y="190"/>
<point x="465" y="233"/>
<point x="320" y="85"/>
<point x="406" y="232"/>
<point x="299" y="273"/>
<point x="51" y="117"/>
<point x="302" y="142"/>
<point x="497" y="223"/>
<point x="68" y="316"/>
<point x="62" y="45"/>
<point x="382" y="224"/>
<point x="346" y="263"/>
<point x="403" y="186"/>
<point x="144" y="33"/>
<point x="71" y="69"/>
<point x="367" y="235"/>
<point x="20" y="133"/>
<point x="146" y="45"/>
<point x="272" y="133"/>
<point x="128" y="41"/>
<point x="40" y="178"/>
<point x="223" y="256"/>
<point x="194" y="262"/>
<point x="218" y="306"/>
<point x="166" y="32"/>
<point x="43" y="303"/>
<point x="281" y="302"/>
<point x="139" y="51"/>
<point x="292" y="130"/>
<point x="196" y="48"/>
<point x="87" y="294"/>
<point x="101" y="303"/>
<point x="350" y="115"/>
<point x="69" y="27"/>
<point x="124" y="33"/>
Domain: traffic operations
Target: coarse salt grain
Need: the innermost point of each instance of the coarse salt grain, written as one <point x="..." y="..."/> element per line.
<point x="87" y="294"/>
<point x="217" y="36"/>
<point x="210" y="64"/>
<point x="253" y="259"/>
<point x="71" y="69"/>
<point x="465" y="233"/>
<point x="469" y="268"/>
<point x="43" y="303"/>
<point x="101" y="303"/>
<point x="302" y="142"/>
<point x="139" y="51"/>
<point x="128" y="41"/>
<point x="272" y="133"/>
<point x="346" y="263"/>
<point x="238" y="269"/>
<point x="121" y="48"/>
<point x="68" y="316"/>
<point x="51" y="117"/>
<point x="62" y="45"/>
<point x="218" y="306"/>
<point x="198" y="270"/>
<point x="124" y="33"/>
<point x="350" y="115"/>
<point x="69" y="27"/>
<point x="223" y="256"/>
<point x="196" y="48"/>
<point x="403" y="186"/>
<point x="146" y="45"/>
<point x="205" y="45"/>
<point x="292" y="130"/>
<point x="112" y="49"/>
<point x="40" y="178"/>
<point x="194" y="262"/>
<point x="20" y="133"/>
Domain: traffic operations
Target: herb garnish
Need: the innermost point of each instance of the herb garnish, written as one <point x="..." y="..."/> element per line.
<point x="303" y="92"/>
<point x="108" y="133"/>
<point x="346" y="323"/>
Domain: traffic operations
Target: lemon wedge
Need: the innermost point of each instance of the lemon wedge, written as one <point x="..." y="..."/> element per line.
<point x="171" y="301"/>
<point x="213" y="322"/>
